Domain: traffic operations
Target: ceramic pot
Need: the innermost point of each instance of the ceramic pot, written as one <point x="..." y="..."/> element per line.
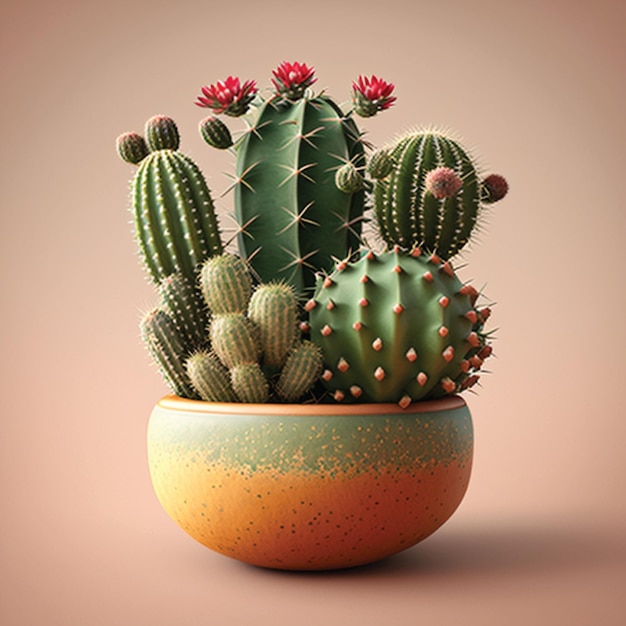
<point x="309" y="487"/>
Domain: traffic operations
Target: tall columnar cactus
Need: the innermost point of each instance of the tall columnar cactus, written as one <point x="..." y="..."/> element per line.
<point x="433" y="196"/>
<point x="175" y="222"/>
<point x="294" y="220"/>
<point x="397" y="327"/>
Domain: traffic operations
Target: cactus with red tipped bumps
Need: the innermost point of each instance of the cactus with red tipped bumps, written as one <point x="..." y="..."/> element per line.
<point x="432" y="197"/>
<point x="396" y="327"/>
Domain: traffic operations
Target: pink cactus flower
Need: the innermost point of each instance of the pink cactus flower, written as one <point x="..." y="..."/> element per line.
<point x="292" y="79"/>
<point x="371" y="95"/>
<point x="443" y="182"/>
<point x="228" y="96"/>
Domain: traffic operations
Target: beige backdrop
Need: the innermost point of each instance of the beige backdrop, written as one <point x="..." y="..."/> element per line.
<point x="537" y="87"/>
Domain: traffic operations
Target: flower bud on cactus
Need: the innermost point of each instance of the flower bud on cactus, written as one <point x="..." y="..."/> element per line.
<point x="291" y="80"/>
<point x="371" y="95"/>
<point x="228" y="96"/>
<point x="162" y="133"/>
<point x="348" y="179"/>
<point x="215" y="133"/>
<point x="495" y="187"/>
<point x="380" y="164"/>
<point x="132" y="147"/>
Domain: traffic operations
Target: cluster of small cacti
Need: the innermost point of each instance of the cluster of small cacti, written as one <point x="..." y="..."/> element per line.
<point x="394" y="326"/>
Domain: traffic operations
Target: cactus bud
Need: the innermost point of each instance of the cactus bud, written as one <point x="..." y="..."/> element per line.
<point x="380" y="165"/>
<point x="494" y="188"/>
<point x="216" y="133"/>
<point x="348" y="179"/>
<point x="132" y="148"/>
<point x="162" y="133"/>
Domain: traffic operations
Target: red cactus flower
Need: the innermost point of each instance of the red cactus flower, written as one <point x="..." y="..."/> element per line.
<point x="443" y="182"/>
<point x="228" y="96"/>
<point x="291" y="79"/>
<point x="371" y="95"/>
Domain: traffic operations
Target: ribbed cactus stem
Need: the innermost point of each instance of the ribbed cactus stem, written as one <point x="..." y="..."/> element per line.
<point x="293" y="218"/>
<point x="226" y="284"/>
<point x="175" y="220"/>
<point x="235" y="339"/>
<point x="181" y="299"/>
<point x="209" y="377"/>
<point x="169" y="350"/>
<point x="274" y="309"/>
<point x="249" y="383"/>
<point x="301" y="370"/>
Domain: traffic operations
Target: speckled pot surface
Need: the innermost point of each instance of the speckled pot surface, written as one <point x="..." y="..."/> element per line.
<point x="309" y="487"/>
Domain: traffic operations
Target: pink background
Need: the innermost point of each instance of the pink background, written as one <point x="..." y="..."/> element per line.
<point x="536" y="86"/>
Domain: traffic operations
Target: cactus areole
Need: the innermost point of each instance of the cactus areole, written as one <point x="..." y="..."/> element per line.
<point x="293" y="218"/>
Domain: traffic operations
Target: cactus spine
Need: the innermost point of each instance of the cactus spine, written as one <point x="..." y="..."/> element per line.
<point x="175" y="222"/>
<point x="293" y="218"/>
<point x="396" y="327"/>
<point x="409" y="214"/>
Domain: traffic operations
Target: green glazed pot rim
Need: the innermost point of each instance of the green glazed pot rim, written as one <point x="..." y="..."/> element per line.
<point x="176" y="403"/>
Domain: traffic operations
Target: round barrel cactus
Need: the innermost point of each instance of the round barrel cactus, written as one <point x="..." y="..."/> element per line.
<point x="397" y="327"/>
<point x="432" y="197"/>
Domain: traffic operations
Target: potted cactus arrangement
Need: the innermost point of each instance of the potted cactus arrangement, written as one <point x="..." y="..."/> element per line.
<point x="314" y="419"/>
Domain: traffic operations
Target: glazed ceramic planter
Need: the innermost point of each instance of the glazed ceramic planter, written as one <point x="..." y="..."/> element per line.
<point x="309" y="487"/>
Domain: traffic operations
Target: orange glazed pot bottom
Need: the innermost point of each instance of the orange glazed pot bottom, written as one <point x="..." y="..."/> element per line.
<point x="309" y="487"/>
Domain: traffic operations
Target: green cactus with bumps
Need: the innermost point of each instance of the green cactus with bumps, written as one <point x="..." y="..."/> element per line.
<point x="175" y="222"/>
<point x="397" y="327"/>
<point x="432" y="196"/>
